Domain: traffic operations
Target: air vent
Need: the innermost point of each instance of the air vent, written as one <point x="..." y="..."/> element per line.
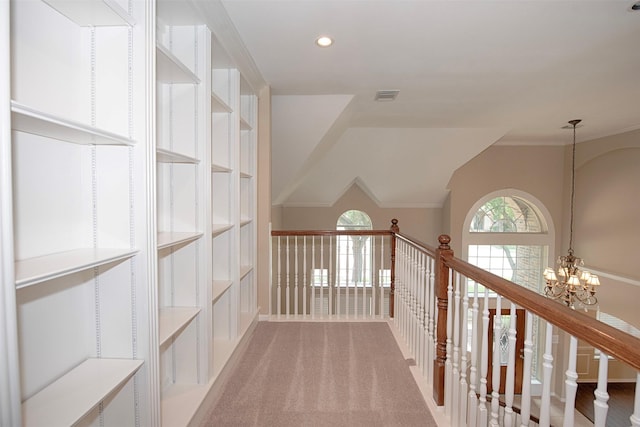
<point x="386" y="95"/>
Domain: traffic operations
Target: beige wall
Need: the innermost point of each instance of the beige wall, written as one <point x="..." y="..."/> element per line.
<point x="607" y="219"/>
<point x="420" y="223"/>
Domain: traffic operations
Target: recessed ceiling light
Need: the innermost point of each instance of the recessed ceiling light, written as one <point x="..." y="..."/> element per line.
<point x="324" y="41"/>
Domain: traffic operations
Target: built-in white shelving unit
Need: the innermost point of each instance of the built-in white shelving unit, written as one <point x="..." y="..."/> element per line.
<point x="80" y="231"/>
<point x="182" y="144"/>
<point x="128" y="211"/>
<point x="69" y="399"/>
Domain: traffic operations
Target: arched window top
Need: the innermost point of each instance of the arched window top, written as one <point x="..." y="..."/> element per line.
<point x="354" y="220"/>
<point x="508" y="214"/>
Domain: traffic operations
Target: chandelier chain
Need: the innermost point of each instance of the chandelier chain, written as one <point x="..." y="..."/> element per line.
<point x="573" y="186"/>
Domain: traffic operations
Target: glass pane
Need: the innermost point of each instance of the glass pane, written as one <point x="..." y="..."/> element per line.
<point x="354" y="220"/>
<point x="506" y="215"/>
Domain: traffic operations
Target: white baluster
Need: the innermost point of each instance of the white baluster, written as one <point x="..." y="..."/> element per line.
<point x="410" y="295"/>
<point x="349" y="278"/>
<point x="295" y="276"/>
<point x="472" y="405"/>
<point x="495" y="369"/>
<point x="432" y="309"/>
<point x="525" y="403"/>
<point x="355" y="287"/>
<point x="279" y="284"/>
<point x="547" y="369"/>
<point x="339" y="276"/>
<point x="304" y="276"/>
<point x="377" y="268"/>
<point x="509" y="415"/>
<point x="456" y="350"/>
<point x="600" y="406"/>
<point x="322" y="274"/>
<point x="448" y="365"/>
<point x="418" y="304"/>
<point x="462" y="406"/>
<point x="423" y="312"/>
<point x="635" y="417"/>
<point x="405" y="291"/>
<point x="331" y="277"/>
<point x="313" y="277"/>
<point x="570" y="384"/>
<point x="288" y="288"/>
<point x="483" y="415"/>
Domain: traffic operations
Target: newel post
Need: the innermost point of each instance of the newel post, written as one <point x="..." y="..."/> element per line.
<point x="394" y="229"/>
<point x="443" y="253"/>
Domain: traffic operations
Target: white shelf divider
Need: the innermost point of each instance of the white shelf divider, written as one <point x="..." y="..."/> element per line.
<point x="75" y="394"/>
<point x="29" y="120"/>
<point x="220" y="169"/>
<point x="95" y="13"/>
<point x="35" y="270"/>
<point x="244" y="270"/>
<point x="245" y="125"/>
<point x="219" y="288"/>
<point x="219" y="105"/>
<point x="173" y="320"/>
<point x="168" y="156"/>
<point x="171" y="70"/>
<point x="167" y="239"/>
<point x="220" y="228"/>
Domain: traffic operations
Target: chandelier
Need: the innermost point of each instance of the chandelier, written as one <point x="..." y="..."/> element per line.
<point x="572" y="285"/>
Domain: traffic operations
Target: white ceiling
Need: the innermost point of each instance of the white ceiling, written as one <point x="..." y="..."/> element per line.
<point x="470" y="74"/>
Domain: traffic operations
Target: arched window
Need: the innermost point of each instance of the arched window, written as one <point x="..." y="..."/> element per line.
<point x="507" y="234"/>
<point x="354" y="252"/>
<point x="354" y="220"/>
<point x="510" y="234"/>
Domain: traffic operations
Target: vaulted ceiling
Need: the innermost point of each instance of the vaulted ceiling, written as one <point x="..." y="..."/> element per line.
<point x="469" y="74"/>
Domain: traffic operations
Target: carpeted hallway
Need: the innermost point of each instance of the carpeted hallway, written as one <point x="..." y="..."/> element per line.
<point x="321" y="374"/>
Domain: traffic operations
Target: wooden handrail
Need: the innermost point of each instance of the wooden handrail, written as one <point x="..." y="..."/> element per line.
<point x="331" y="233"/>
<point x="613" y="342"/>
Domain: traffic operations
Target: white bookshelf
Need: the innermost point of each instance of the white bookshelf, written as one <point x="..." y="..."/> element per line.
<point x="80" y="235"/>
<point x="92" y="12"/>
<point x="132" y="177"/>
<point x="173" y="320"/>
<point x="40" y="269"/>
<point x="169" y="239"/>
<point x="219" y="288"/>
<point x="182" y="195"/>
<point x="68" y="399"/>
<point x="30" y="120"/>
<point x="180" y="403"/>
<point x="168" y="156"/>
<point x="171" y="69"/>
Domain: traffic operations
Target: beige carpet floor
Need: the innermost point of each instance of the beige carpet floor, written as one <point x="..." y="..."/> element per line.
<point x="321" y="374"/>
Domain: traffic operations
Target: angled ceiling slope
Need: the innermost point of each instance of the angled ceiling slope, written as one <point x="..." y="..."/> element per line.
<point x="469" y="74"/>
